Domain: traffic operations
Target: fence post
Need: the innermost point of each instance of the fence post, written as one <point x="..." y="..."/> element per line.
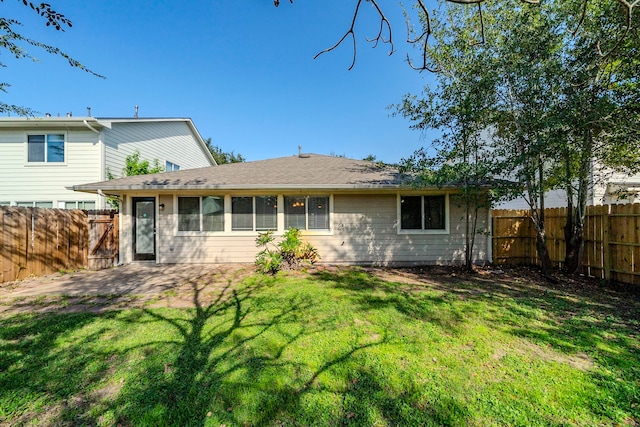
<point x="606" y="250"/>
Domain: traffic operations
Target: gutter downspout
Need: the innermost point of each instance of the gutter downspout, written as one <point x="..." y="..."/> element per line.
<point x="90" y="127"/>
<point x="101" y="160"/>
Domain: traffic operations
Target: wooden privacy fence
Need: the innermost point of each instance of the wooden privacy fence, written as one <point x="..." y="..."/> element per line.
<point x="35" y="241"/>
<point x="611" y="248"/>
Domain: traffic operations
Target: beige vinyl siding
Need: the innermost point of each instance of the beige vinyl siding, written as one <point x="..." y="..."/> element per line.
<point x="163" y="140"/>
<point x="21" y="181"/>
<point x="364" y="232"/>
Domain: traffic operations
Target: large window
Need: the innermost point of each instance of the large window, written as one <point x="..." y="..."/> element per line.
<point x="254" y="213"/>
<point x="47" y="148"/>
<point x="306" y="213"/>
<point x="200" y="214"/>
<point x="423" y="212"/>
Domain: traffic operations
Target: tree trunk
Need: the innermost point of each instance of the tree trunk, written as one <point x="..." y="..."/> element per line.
<point x="574" y="229"/>
<point x="543" y="253"/>
<point x="575" y="248"/>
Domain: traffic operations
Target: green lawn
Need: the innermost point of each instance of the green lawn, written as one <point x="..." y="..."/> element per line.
<point x="333" y="348"/>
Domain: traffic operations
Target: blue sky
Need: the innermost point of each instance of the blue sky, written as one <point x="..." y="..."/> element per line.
<point x="242" y="70"/>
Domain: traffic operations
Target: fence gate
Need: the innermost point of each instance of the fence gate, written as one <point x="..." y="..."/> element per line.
<point x="103" y="239"/>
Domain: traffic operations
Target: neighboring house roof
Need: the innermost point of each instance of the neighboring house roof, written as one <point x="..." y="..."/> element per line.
<point x="306" y="171"/>
<point x="50" y="122"/>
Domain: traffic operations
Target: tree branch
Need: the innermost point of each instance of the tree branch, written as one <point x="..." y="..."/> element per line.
<point x="423" y="38"/>
<point x="628" y="7"/>
<point x="384" y="22"/>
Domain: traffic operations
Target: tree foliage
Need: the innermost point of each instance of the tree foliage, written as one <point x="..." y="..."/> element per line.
<point x="552" y="102"/>
<point x="134" y="166"/>
<point x="422" y="37"/>
<point x="16" y="43"/>
<point x="221" y="157"/>
<point x="459" y="157"/>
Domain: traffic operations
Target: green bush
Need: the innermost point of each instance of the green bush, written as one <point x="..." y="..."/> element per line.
<point x="290" y="254"/>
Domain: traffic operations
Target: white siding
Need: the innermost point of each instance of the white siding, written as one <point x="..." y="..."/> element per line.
<point x="616" y="187"/>
<point x="364" y="232"/>
<point x="163" y="140"/>
<point x="552" y="199"/>
<point x="22" y="182"/>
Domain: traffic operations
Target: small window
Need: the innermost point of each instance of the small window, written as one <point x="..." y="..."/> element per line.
<point x="242" y="213"/>
<point x="170" y="167"/>
<point x="306" y="213"/>
<point x="434" y="212"/>
<point x="188" y="213"/>
<point x="2" y="203"/>
<point x="212" y="214"/>
<point x="318" y="213"/>
<point x="80" y="205"/>
<point x="47" y="205"/>
<point x="47" y="148"/>
<point x="266" y="213"/>
<point x="295" y="213"/>
<point x="200" y="214"/>
<point x="423" y="212"/>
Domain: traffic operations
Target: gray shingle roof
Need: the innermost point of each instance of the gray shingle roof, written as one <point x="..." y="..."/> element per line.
<point x="308" y="171"/>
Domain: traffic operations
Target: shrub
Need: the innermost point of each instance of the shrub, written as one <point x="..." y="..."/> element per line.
<point x="290" y="254"/>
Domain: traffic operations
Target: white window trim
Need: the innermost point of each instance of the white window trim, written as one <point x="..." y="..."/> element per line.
<point x="177" y="232"/>
<point x="280" y="217"/>
<point x="45" y="163"/>
<point x="447" y="216"/>
<point x="173" y="164"/>
<point x="253" y="201"/>
<point x="308" y="232"/>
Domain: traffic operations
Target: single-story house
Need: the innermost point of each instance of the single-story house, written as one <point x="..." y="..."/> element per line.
<point x="352" y="211"/>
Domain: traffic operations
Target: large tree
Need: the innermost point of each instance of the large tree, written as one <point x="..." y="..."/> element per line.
<point x="599" y="111"/>
<point x="16" y="43"/>
<point x="460" y="109"/>
<point x="562" y="99"/>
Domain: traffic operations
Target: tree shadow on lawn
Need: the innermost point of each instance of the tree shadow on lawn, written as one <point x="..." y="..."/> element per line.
<point x="228" y="367"/>
<point x="227" y="362"/>
<point x="580" y="318"/>
<point x="232" y="366"/>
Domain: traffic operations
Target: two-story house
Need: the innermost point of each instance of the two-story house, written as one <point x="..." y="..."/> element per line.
<point x="42" y="158"/>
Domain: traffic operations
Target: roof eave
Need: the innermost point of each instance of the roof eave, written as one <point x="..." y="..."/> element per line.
<point x="230" y="188"/>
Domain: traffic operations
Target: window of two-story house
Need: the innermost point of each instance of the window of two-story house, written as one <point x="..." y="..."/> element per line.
<point x="423" y="213"/>
<point x="46" y="148"/>
<point x="170" y="167"/>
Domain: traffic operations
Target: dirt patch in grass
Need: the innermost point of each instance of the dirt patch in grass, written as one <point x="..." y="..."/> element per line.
<point x="524" y="348"/>
<point x="200" y="286"/>
<point x="516" y="282"/>
<point x="210" y="284"/>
